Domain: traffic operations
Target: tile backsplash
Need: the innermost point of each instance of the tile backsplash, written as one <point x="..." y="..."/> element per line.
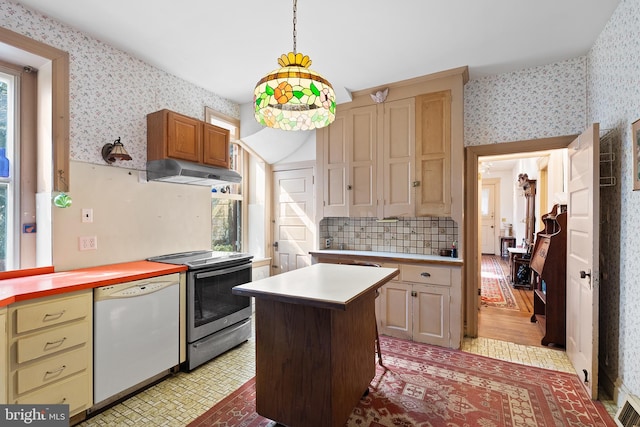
<point x="425" y="235"/>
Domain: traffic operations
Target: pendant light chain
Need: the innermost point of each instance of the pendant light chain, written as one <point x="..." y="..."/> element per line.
<point x="295" y="21"/>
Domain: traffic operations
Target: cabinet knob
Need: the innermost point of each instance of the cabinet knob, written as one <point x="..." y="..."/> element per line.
<point x="349" y="187"/>
<point x="414" y="294"/>
<point x="416" y="183"/>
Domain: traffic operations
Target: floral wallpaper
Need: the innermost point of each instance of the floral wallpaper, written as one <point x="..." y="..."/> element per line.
<point x="614" y="102"/>
<point x="538" y="102"/>
<point x="111" y="92"/>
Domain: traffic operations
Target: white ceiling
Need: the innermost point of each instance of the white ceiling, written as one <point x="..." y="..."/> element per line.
<point x="226" y="46"/>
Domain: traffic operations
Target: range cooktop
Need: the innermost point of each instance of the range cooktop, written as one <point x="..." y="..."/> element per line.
<point x="201" y="259"/>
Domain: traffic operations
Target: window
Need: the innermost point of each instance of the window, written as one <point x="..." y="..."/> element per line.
<point x="227" y="199"/>
<point x="8" y="171"/>
<point x="226" y="209"/>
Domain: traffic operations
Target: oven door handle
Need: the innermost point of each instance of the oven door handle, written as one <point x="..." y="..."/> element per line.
<point x="222" y="271"/>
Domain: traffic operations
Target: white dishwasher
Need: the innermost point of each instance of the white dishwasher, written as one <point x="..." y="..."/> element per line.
<point x="136" y="335"/>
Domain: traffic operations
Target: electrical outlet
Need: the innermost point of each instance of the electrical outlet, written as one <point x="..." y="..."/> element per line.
<point x="88" y="243"/>
<point x="87" y="215"/>
<point x="327" y="243"/>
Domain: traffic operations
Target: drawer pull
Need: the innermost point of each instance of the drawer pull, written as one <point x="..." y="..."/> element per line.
<point x="58" y="343"/>
<point x="425" y="274"/>
<point x="53" y="316"/>
<point x="56" y="371"/>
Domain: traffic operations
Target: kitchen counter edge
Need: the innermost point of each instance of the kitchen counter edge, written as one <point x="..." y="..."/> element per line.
<point x="42" y="285"/>
<point x="389" y="257"/>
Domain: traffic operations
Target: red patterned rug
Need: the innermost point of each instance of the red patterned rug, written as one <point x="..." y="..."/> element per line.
<point x="495" y="288"/>
<point x="432" y="386"/>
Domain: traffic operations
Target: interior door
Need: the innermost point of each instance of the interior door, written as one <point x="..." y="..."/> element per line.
<point x="293" y="215"/>
<point x="582" y="257"/>
<point x="487" y="218"/>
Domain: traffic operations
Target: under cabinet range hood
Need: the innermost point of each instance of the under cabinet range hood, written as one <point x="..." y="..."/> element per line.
<point x="183" y="172"/>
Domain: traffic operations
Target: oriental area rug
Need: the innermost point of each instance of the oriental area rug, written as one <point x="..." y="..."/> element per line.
<point x="428" y="386"/>
<point x="496" y="288"/>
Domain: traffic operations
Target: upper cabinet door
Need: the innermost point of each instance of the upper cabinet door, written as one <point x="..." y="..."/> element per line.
<point x="433" y="154"/>
<point x="215" y="146"/>
<point x="398" y="157"/>
<point x="332" y="141"/>
<point x="362" y="134"/>
<point x="184" y="137"/>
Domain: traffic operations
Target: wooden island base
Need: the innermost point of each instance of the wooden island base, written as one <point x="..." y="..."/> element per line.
<point x="313" y="364"/>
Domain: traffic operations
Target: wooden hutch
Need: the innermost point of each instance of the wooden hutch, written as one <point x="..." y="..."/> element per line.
<point x="549" y="265"/>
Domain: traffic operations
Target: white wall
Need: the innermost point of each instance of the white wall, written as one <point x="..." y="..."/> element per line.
<point x="133" y="219"/>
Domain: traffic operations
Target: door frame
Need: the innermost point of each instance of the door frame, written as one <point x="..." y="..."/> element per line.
<point x="472" y="247"/>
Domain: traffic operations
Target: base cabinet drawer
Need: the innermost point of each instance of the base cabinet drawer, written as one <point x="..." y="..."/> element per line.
<point x="427" y="274"/>
<point x="51" y="342"/>
<point x="74" y="392"/>
<point x="52" y="312"/>
<point x="50" y="351"/>
<point x="52" y="369"/>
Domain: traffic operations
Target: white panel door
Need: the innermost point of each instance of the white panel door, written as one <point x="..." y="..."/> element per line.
<point x="488" y="218"/>
<point x="582" y="257"/>
<point x="293" y="215"/>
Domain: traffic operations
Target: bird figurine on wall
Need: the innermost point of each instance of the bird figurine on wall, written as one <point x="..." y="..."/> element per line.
<point x="380" y="96"/>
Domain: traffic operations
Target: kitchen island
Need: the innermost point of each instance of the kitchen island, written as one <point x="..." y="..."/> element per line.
<point x="315" y="333"/>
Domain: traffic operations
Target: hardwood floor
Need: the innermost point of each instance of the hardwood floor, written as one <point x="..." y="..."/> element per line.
<point x="510" y="325"/>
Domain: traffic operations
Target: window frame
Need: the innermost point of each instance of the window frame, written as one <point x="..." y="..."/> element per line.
<point x="12" y="182"/>
<point x="233" y="124"/>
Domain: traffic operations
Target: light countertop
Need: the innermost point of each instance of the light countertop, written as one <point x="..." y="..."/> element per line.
<point x="390" y="256"/>
<point x="320" y="285"/>
<point x="41" y="285"/>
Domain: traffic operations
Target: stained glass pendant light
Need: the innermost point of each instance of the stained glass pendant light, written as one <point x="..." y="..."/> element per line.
<point x="294" y="97"/>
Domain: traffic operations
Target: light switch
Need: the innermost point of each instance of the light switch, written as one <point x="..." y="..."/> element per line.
<point x="87" y="215"/>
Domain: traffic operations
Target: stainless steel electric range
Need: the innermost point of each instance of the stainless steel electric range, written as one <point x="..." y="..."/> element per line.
<point x="217" y="320"/>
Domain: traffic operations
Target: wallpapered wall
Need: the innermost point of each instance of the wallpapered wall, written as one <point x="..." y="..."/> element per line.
<point x="614" y="102"/>
<point x="538" y="102"/>
<point x="110" y="91"/>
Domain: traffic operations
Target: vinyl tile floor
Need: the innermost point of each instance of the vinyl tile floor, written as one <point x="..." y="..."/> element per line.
<point x="182" y="397"/>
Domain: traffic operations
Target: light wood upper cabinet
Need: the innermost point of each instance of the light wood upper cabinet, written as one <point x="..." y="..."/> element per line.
<point x="332" y="143"/>
<point x="398" y="157"/>
<point x="362" y="142"/>
<point x="173" y="135"/>
<point x="367" y="160"/>
<point x="433" y="154"/>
